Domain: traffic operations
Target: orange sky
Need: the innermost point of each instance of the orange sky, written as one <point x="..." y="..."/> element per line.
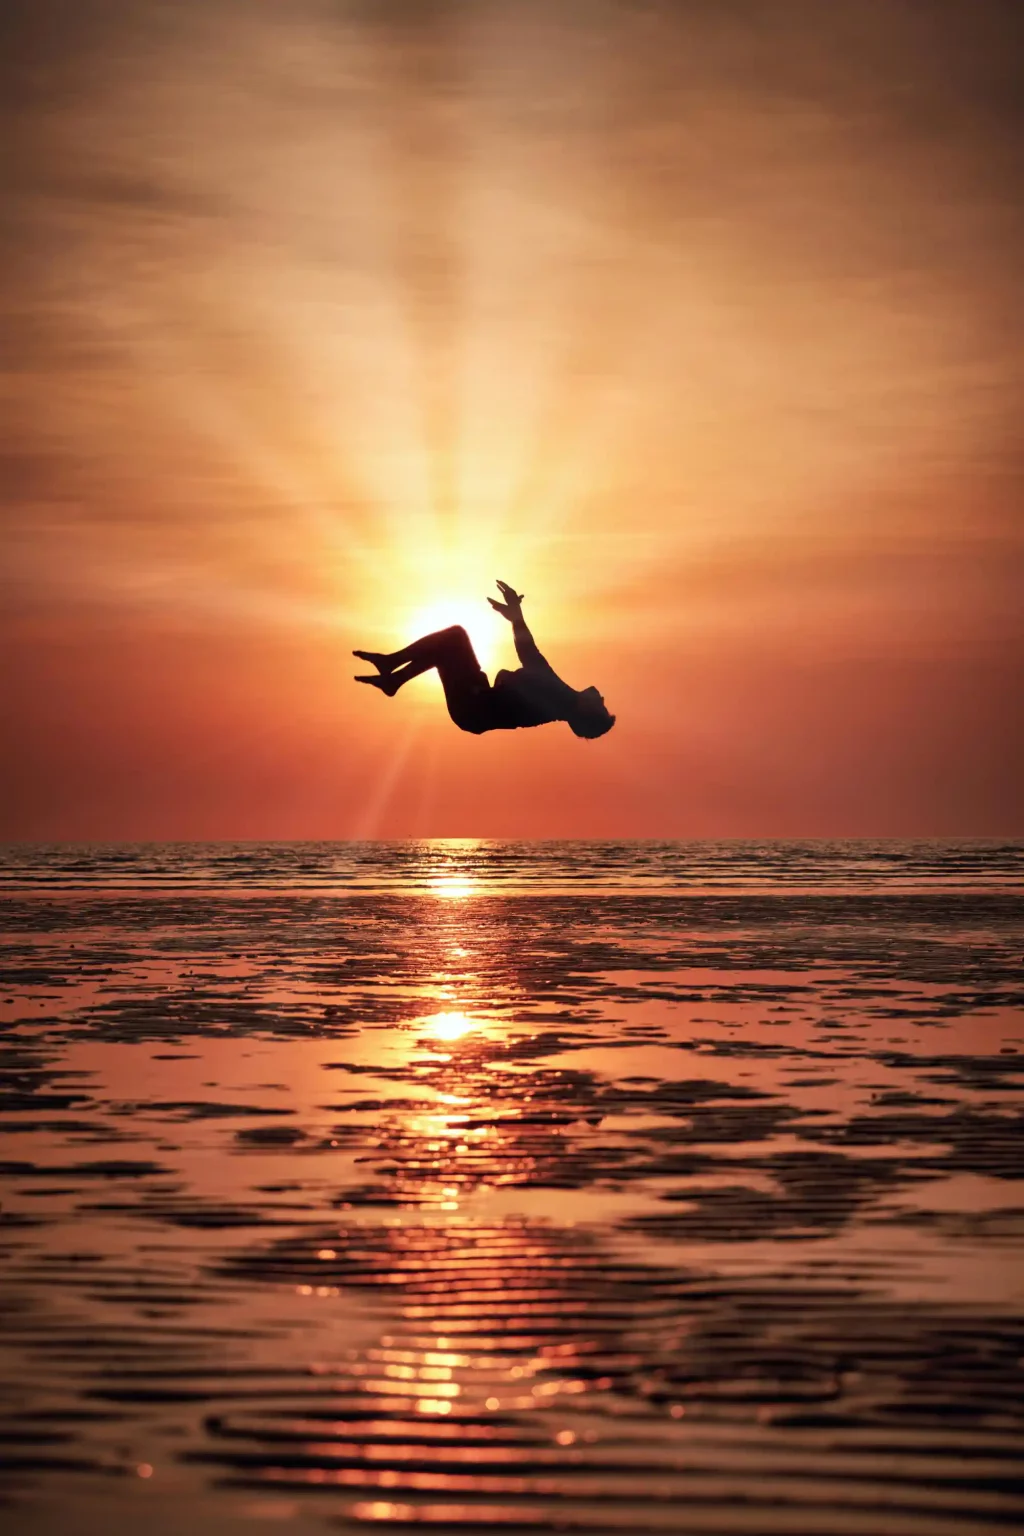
<point x="700" y="323"/>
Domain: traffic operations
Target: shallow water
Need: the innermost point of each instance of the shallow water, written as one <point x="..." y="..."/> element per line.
<point x="576" y="1187"/>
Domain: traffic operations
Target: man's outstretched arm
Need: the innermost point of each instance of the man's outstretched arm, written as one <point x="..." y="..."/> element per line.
<point x="512" y="609"/>
<point x="525" y="644"/>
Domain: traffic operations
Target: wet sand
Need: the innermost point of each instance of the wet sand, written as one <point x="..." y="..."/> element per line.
<point x="557" y="1212"/>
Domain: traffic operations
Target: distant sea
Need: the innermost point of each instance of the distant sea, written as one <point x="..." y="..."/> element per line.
<point x="491" y="866"/>
<point x="472" y="1186"/>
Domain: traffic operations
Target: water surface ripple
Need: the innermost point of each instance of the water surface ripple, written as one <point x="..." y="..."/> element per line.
<point x="564" y="1187"/>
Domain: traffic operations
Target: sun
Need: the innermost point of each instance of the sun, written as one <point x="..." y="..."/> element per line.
<point x="483" y="626"/>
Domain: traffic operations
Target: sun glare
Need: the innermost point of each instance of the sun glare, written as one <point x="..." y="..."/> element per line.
<point x="449" y="1026"/>
<point x="452" y="887"/>
<point x="480" y="622"/>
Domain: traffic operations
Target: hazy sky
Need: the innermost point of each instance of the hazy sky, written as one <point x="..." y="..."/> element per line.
<point x="699" y="322"/>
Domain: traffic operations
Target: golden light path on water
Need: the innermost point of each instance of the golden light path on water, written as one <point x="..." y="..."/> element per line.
<point x="452" y="887"/>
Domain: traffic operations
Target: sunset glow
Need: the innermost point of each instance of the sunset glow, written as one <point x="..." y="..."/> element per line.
<point x="700" y="333"/>
<point x="566" y="1074"/>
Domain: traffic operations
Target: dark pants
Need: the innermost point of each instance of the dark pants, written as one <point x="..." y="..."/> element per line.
<point x="467" y="692"/>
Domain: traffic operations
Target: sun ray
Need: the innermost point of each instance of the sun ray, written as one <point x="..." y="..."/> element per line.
<point x="366" y="822"/>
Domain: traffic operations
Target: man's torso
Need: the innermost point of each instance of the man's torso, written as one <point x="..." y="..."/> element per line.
<point x="529" y="696"/>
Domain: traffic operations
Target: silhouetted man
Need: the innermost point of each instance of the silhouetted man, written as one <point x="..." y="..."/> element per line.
<point x="533" y="694"/>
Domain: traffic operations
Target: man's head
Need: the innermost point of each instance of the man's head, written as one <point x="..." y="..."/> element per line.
<point x="589" y="717"/>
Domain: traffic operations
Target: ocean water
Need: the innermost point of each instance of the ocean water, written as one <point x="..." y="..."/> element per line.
<point x="579" y="1187"/>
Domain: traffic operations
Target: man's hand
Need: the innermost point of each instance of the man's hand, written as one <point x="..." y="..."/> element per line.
<point x="512" y="606"/>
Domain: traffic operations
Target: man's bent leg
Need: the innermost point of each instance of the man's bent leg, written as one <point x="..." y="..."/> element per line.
<point x="449" y="650"/>
<point x="466" y="689"/>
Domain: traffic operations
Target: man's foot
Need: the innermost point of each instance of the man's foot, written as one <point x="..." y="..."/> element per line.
<point x="382" y="663"/>
<point x="385" y="684"/>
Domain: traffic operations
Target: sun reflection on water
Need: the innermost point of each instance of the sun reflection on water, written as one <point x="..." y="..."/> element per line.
<point x="449" y="1026"/>
<point x="452" y="887"/>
